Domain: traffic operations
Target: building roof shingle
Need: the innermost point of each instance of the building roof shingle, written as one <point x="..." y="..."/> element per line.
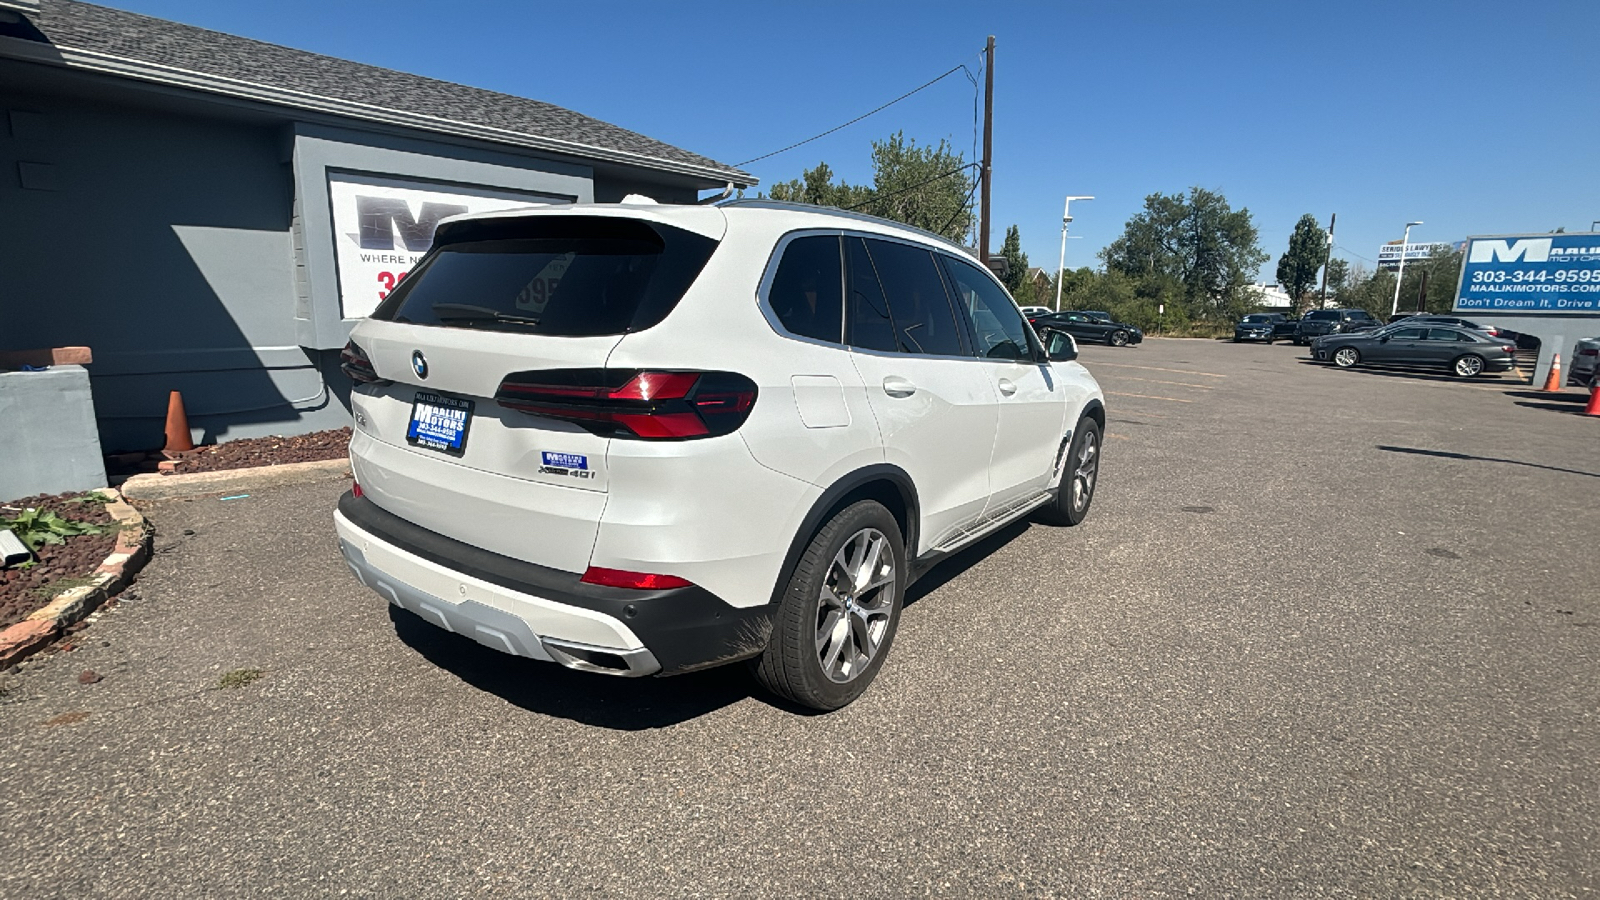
<point x="225" y="63"/>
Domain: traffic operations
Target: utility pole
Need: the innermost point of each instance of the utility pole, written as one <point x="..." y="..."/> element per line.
<point x="1328" y="259"/>
<point x="988" y="148"/>
<point x="1061" y="268"/>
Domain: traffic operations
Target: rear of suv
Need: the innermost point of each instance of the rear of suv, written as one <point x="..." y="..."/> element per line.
<point x="642" y="439"/>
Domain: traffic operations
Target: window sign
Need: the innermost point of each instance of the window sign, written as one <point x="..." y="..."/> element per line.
<point x="383" y="226"/>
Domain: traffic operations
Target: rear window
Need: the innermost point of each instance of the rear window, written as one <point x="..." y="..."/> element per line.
<point x="557" y="275"/>
<point x="1321" y="315"/>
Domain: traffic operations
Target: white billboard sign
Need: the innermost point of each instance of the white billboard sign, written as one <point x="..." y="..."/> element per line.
<point x="383" y="226"/>
<point x="1389" y="254"/>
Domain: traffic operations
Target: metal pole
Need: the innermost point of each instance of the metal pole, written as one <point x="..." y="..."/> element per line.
<point x="1061" y="267"/>
<point x="988" y="148"/>
<point x="1326" y="260"/>
<point x="1405" y="241"/>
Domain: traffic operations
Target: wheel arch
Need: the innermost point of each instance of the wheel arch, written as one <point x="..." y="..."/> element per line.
<point x="885" y="483"/>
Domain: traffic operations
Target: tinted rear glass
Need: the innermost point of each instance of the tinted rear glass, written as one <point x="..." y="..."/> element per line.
<point x="1321" y="315"/>
<point x="923" y="320"/>
<point x="563" y="275"/>
<point x="870" y="325"/>
<point x="805" y="291"/>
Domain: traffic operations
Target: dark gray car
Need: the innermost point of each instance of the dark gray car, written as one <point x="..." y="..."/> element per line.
<point x="1461" y="350"/>
<point x="1319" y="322"/>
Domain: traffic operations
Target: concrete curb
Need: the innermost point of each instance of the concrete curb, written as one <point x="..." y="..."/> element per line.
<point x="169" y="487"/>
<point x="43" y="625"/>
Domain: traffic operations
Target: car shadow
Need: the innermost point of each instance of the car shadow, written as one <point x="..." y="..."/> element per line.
<point x="1551" y="398"/>
<point x="957" y="564"/>
<point x="605" y="701"/>
<point x="1568" y="408"/>
<point x="1447" y="454"/>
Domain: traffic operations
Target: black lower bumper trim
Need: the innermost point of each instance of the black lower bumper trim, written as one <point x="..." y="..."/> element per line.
<point x="685" y="628"/>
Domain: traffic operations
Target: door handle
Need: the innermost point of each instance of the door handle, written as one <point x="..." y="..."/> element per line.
<point x="1007" y="387"/>
<point x="895" y="386"/>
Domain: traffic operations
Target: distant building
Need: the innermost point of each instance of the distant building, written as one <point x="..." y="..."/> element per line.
<point x="1042" y="283"/>
<point x="1272" y="297"/>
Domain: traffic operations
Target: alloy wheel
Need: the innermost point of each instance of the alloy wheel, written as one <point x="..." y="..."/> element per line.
<point x="1086" y="469"/>
<point x="857" y="601"/>
<point x="1346" y="357"/>
<point x="1468" y="366"/>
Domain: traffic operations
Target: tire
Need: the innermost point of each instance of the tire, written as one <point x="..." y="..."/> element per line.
<point x="826" y="647"/>
<point x="1467" y="366"/>
<point x="1345" y="357"/>
<point x="1118" y="339"/>
<point x="1080" y="476"/>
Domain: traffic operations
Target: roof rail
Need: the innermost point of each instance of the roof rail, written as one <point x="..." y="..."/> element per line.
<point x="845" y="213"/>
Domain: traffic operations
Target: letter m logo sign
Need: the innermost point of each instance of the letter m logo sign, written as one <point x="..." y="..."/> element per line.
<point x="381" y="217"/>
<point x="1526" y="250"/>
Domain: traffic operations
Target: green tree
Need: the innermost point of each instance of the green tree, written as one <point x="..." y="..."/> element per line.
<point x="1297" y="268"/>
<point x="1016" y="261"/>
<point x="1337" y="277"/>
<point x="928" y="187"/>
<point x="1197" y="241"/>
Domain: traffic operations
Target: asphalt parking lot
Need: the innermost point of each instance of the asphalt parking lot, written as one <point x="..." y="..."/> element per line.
<point x="1325" y="633"/>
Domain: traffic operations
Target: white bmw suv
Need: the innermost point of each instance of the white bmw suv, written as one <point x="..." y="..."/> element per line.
<point x="646" y="439"/>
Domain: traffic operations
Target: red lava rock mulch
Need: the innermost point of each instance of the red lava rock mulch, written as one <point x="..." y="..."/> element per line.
<point x="267" y="451"/>
<point x="24" y="590"/>
<point x="243" y="453"/>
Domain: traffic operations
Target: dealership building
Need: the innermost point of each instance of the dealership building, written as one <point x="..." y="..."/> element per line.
<point x="212" y="214"/>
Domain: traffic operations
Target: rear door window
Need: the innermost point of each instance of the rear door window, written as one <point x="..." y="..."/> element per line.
<point x="806" y="292"/>
<point x="918" y="305"/>
<point x="1408" y="334"/>
<point x="555" y="275"/>
<point x="870" y="326"/>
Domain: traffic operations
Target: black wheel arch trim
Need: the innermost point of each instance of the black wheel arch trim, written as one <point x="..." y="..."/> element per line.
<point x="832" y="499"/>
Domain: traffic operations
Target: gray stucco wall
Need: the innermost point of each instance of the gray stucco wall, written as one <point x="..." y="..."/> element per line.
<point x="194" y="253"/>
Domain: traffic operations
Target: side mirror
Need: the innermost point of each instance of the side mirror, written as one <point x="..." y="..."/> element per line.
<point x="1059" y="346"/>
<point x="1383" y="338"/>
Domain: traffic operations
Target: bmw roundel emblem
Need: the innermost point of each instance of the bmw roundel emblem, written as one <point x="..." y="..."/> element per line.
<point x="419" y="364"/>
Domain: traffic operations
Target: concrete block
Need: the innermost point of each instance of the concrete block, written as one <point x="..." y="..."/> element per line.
<point x="48" y="440"/>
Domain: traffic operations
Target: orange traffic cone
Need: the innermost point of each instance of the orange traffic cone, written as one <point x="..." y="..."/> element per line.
<point x="1593" y="409"/>
<point x="1553" y="382"/>
<point x="178" y="440"/>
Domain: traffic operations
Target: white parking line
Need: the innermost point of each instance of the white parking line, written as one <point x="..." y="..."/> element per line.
<point x="1154" y="369"/>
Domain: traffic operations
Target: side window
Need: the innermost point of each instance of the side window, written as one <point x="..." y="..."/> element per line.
<point x="870" y="327"/>
<point x="1000" y="330"/>
<point x="923" y="321"/>
<point x="1408" y="334"/>
<point x="1443" y="334"/>
<point x="806" y="293"/>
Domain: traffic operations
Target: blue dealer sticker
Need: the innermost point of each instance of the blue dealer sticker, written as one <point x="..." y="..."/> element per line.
<point x="565" y="460"/>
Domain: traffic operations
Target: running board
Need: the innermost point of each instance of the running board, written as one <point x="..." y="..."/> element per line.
<point x="1007" y="514"/>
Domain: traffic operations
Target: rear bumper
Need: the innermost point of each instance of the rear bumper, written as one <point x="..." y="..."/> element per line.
<point x="528" y="610"/>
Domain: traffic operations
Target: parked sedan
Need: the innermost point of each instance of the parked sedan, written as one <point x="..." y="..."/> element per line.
<point x="1267" y="327"/>
<point x="1430" y="319"/>
<point x="1086" y="326"/>
<point x="1585" y="363"/>
<point x="1461" y="350"/>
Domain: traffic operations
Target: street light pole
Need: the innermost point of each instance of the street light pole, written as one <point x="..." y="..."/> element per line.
<point x="1405" y="241"/>
<point x="1061" y="267"/>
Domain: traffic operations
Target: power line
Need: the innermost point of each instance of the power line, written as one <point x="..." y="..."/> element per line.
<point x="904" y="190"/>
<point x="1355" y="254"/>
<point x="960" y="68"/>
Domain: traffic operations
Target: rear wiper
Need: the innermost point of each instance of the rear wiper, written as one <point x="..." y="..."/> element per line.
<point x="466" y="312"/>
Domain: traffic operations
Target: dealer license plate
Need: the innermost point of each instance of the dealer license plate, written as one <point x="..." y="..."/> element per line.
<point x="439" y="423"/>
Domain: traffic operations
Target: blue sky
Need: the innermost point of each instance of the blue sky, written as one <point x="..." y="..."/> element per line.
<point x="1474" y="117"/>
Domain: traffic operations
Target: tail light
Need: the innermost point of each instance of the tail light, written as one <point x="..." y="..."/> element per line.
<point x="1509" y="348"/>
<point x="639" y="581"/>
<point x="1589" y="351"/>
<point x="353" y="361"/>
<point x="633" y="403"/>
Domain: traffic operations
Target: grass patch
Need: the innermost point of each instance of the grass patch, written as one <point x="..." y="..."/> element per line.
<point x="49" y="590"/>
<point x="240" y="677"/>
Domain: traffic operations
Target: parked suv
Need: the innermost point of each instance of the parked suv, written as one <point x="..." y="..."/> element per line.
<point x="1319" y="322"/>
<point x="640" y="439"/>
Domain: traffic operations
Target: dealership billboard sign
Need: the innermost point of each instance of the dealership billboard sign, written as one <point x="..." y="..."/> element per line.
<point x="382" y="227"/>
<point x="1530" y="273"/>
